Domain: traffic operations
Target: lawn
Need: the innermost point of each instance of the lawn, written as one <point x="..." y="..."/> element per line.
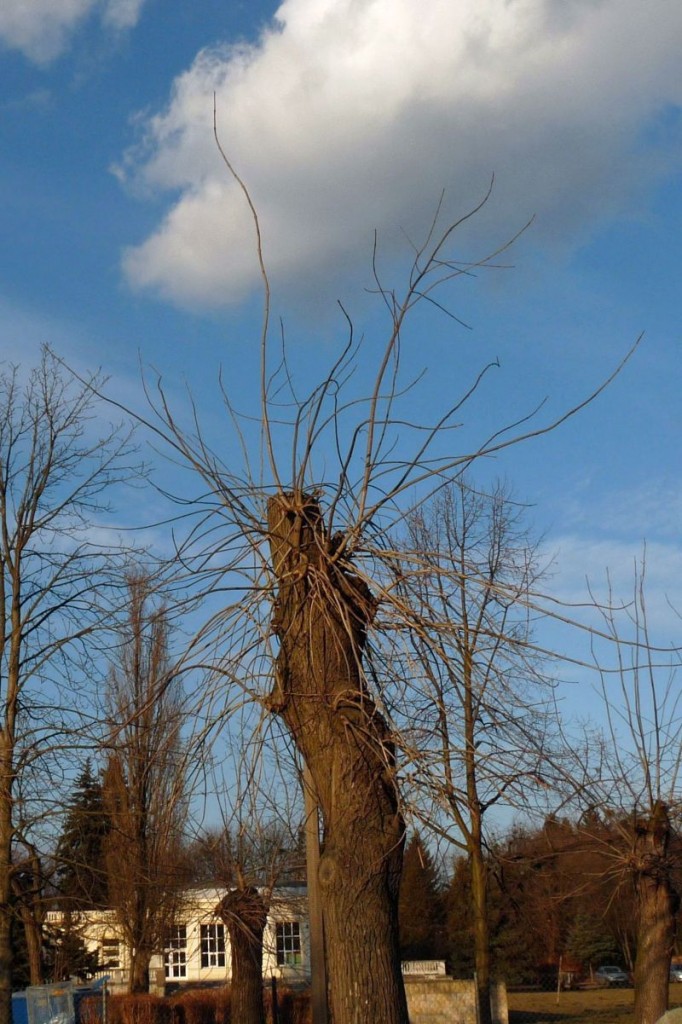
<point x="592" y="1006"/>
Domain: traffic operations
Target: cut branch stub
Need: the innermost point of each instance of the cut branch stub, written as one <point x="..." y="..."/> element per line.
<point x="323" y="610"/>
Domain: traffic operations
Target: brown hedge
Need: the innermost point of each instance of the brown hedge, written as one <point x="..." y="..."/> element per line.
<point x="194" y="1006"/>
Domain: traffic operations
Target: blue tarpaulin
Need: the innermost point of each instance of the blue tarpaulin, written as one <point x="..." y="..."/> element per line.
<point x="56" y="1004"/>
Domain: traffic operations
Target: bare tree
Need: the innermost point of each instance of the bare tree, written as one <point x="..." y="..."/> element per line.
<point x="303" y="553"/>
<point x="55" y="471"/>
<point x="627" y="776"/>
<point x="472" y="721"/>
<point x="144" y="782"/>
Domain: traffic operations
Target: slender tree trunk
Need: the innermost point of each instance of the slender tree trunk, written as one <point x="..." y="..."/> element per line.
<point x="479" y="870"/>
<point x="5" y="886"/>
<point x="7" y="775"/>
<point x="321" y="617"/>
<point x="479" y="897"/>
<point x="245" y="913"/>
<point x="34" y="945"/>
<point x="657" y="906"/>
<point x="27" y="894"/>
<point x="7" y="741"/>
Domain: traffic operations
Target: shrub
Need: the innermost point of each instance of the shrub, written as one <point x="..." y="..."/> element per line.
<point x="200" y="1006"/>
<point x="204" y="1006"/>
<point x="139" y="1009"/>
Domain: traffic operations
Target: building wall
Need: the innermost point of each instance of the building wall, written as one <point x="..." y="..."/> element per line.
<point x="197" y="948"/>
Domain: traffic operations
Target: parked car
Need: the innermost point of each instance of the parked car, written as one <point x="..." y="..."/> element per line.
<point x="611" y="975"/>
<point x="676" y="972"/>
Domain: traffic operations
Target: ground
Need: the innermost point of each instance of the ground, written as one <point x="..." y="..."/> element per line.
<point x="595" y="1006"/>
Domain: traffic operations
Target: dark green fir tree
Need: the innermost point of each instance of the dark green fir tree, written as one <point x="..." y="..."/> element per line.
<point x="81" y="875"/>
<point x="421" y="907"/>
<point x="590" y="942"/>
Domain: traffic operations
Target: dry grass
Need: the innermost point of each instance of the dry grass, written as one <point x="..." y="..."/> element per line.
<point x="592" y="1006"/>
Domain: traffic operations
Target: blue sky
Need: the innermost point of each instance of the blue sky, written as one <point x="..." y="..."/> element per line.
<point x="125" y="239"/>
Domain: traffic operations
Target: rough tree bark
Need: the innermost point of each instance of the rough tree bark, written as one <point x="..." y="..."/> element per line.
<point x="321" y="619"/>
<point x="139" y="970"/>
<point x="657" y="906"/>
<point x="244" y="912"/>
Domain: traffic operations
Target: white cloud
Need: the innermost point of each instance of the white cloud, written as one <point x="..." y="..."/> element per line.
<point x="350" y="115"/>
<point x="40" y="29"/>
<point x="651" y="510"/>
<point x="122" y="14"/>
<point x="580" y="569"/>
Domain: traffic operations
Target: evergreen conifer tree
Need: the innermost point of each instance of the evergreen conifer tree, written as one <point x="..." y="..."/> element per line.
<point x="590" y="941"/>
<point x="81" y="872"/>
<point x="421" y="907"/>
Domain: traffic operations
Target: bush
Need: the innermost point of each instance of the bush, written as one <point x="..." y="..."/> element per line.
<point x="140" y="1009"/>
<point x="90" y="1010"/>
<point x="204" y="1006"/>
<point x="294" y="1007"/>
<point x="201" y="1006"/>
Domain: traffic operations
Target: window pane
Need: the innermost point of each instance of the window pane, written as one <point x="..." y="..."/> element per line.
<point x="288" y="941"/>
<point x="212" y="945"/>
<point x="176" y="951"/>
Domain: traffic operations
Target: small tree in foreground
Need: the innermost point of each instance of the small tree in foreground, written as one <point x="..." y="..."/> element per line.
<point x="247" y="858"/>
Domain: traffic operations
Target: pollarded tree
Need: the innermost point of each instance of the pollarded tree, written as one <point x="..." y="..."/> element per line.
<point x="247" y="857"/>
<point x="304" y="552"/>
<point x="56" y="472"/>
<point x="248" y="864"/>
<point x="144" y="790"/>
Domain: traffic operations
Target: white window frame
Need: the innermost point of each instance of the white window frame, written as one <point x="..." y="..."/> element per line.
<point x="288" y="946"/>
<point x="175" y="953"/>
<point x="212" y="945"/>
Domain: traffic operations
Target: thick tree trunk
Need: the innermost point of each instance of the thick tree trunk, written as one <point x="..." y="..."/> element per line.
<point x="245" y="913"/>
<point x="139" y="971"/>
<point x="321" y="618"/>
<point x="657" y="905"/>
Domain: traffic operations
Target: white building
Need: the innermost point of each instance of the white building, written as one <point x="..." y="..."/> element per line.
<point x="197" y="946"/>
